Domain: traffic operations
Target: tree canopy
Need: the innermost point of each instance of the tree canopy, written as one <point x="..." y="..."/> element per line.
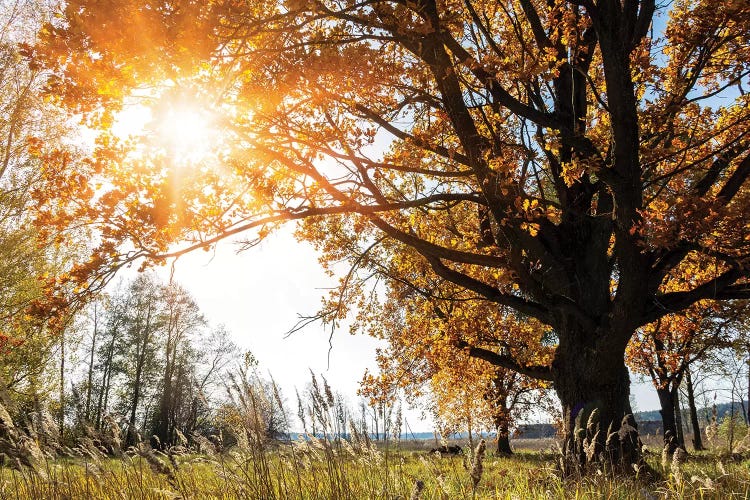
<point x="581" y="162"/>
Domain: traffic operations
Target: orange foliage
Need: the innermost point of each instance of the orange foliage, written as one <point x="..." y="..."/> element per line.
<point x="556" y="158"/>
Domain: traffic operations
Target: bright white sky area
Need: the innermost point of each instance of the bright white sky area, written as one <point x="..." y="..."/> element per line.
<point x="258" y="294"/>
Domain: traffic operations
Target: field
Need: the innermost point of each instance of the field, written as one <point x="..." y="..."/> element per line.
<point x="323" y="469"/>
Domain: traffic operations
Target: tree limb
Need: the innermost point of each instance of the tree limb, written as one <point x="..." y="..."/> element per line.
<point x="505" y="361"/>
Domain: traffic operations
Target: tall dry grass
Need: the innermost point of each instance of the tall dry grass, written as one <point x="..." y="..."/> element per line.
<point x="321" y="466"/>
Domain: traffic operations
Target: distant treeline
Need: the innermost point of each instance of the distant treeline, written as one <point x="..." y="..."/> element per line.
<point x="704" y="414"/>
<point x="649" y="422"/>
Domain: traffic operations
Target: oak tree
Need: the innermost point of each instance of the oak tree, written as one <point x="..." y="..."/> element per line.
<point x="562" y="158"/>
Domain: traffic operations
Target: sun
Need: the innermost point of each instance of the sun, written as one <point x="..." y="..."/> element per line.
<point x="184" y="132"/>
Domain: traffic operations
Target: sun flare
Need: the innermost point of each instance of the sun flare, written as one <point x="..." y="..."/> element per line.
<point x="184" y="132"/>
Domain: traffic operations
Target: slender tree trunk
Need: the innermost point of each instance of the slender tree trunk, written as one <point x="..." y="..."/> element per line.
<point x="593" y="380"/>
<point x="747" y="420"/>
<point x="678" y="417"/>
<point x="61" y="418"/>
<point x="134" y="408"/>
<point x="136" y="394"/>
<point x="697" y="439"/>
<point x="666" y="402"/>
<point x="91" y="366"/>
<point x="107" y="387"/>
<point x="100" y="402"/>
<point x="730" y="430"/>
<point x="101" y="407"/>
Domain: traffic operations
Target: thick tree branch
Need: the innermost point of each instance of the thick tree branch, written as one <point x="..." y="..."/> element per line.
<point x="669" y="259"/>
<point x="502" y="96"/>
<point x="490" y="293"/>
<point x="737" y="292"/>
<point x="643" y="22"/>
<point x="532" y="16"/>
<point x="735" y="181"/>
<point x="713" y="289"/>
<point x="504" y="361"/>
<point x="712" y="175"/>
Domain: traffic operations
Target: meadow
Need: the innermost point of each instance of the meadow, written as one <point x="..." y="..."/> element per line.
<point x="359" y="468"/>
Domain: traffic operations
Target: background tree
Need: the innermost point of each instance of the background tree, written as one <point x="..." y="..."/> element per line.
<point x="559" y="158"/>
<point x="153" y="337"/>
<point x="665" y="350"/>
<point x="145" y="320"/>
<point x="215" y="352"/>
<point x="464" y="392"/>
<point x="183" y="318"/>
<point x="108" y="364"/>
<point x="28" y="256"/>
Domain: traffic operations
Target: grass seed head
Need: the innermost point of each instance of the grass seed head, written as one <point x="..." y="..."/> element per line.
<point x="678" y="459"/>
<point x="477" y="468"/>
<point x="416" y="492"/>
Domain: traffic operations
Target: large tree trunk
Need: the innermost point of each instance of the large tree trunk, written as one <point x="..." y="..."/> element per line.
<point x="502" y="418"/>
<point x="697" y="439"/>
<point x="593" y="385"/>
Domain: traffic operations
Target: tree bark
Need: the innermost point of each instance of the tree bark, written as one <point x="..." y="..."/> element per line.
<point x="678" y="417"/>
<point x="89" y="385"/>
<point x="503" y="440"/>
<point x="502" y="420"/>
<point x="666" y="402"/>
<point x="593" y="385"/>
<point x="697" y="439"/>
<point x="131" y="435"/>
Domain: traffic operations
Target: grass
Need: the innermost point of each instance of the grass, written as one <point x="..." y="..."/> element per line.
<point x="257" y="467"/>
<point x="322" y="469"/>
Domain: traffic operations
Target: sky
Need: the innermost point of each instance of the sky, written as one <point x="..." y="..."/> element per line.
<point x="258" y="295"/>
